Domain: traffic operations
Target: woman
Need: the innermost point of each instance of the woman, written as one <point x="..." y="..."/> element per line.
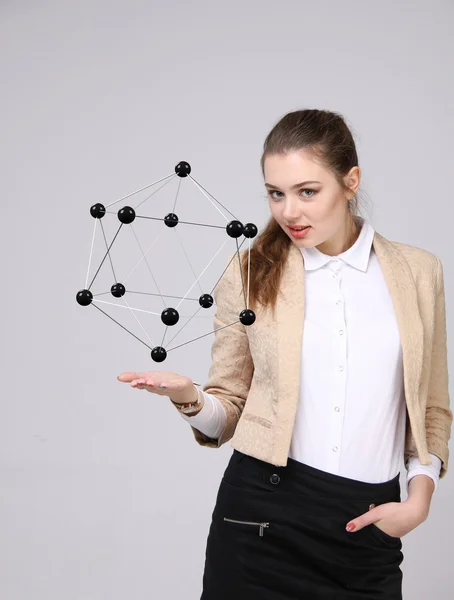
<point x="319" y="423"/>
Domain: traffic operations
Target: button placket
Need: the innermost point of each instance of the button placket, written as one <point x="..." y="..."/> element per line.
<point x="341" y="331"/>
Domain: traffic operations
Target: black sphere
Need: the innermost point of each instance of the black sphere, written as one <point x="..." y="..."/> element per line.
<point x="126" y="215"/>
<point x="158" y="354"/>
<point x="247" y="316"/>
<point x="183" y="169"/>
<point x="97" y="211"/>
<point x="170" y="316"/>
<point x="84" y="297"/>
<point x="118" y="290"/>
<point x="234" y="229"/>
<point x="250" y="230"/>
<point x="206" y="301"/>
<point x="171" y="220"/>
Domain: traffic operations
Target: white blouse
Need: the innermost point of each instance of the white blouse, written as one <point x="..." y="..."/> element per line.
<point x="350" y="419"/>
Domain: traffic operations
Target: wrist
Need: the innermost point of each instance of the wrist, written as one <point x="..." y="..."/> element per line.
<point x="418" y="512"/>
<point x="192" y="402"/>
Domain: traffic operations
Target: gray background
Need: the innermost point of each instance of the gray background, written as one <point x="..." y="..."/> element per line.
<point x="104" y="494"/>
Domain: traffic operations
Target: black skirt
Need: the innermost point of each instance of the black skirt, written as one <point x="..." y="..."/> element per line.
<point x="278" y="533"/>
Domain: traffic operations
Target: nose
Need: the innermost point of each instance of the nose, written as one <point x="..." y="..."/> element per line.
<point x="291" y="213"/>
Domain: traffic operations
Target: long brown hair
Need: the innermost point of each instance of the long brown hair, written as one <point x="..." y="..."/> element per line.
<point x="327" y="137"/>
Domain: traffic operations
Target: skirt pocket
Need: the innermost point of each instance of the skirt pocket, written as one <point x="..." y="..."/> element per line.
<point x="383" y="536"/>
<point x="373" y="530"/>
<point x="242" y="536"/>
<point x="261" y="526"/>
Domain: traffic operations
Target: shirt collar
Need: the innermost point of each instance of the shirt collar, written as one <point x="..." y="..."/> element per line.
<point x="357" y="255"/>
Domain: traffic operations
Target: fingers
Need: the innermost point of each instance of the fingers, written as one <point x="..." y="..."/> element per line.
<point x="129" y="376"/>
<point x="138" y="383"/>
<point x="160" y="382"/>
<point x="141" y="385"/>
<point x="364" y="519"/>
<point x="145" y="383"/>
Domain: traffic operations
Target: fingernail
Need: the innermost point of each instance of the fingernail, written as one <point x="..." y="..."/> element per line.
<point x="163" y="386"/>
<point x="350" y="527"/>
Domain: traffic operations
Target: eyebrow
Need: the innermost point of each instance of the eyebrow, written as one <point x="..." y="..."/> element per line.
<point x="269" y="185"/>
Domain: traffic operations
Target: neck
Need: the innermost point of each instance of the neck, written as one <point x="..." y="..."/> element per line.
<point x="354" y="232"/>
<point x="335" y="247"/>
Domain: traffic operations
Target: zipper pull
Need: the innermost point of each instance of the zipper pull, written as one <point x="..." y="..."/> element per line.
<point x="262" y="526"/>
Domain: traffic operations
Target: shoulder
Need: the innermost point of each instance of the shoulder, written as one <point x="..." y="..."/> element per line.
<point x="414" y="250"/>
<point x="422" y="262"/>
<point x="230" y="278"/>
<point x="413" y="254"/>
<point x="233" y="262"/>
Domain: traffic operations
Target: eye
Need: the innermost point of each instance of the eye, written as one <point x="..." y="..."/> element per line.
<point x="271" y="192"/>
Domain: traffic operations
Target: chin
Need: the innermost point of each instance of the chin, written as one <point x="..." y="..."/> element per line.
<point x="299" y="242"/>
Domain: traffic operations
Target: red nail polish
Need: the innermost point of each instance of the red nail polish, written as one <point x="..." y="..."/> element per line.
<point x="351" y="527"/>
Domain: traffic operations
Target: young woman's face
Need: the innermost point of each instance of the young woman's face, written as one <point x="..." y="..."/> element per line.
<point x="301" y="192"/>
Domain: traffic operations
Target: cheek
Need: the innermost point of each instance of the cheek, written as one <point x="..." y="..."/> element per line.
<point x="323" y="210"/>
<point x="274" y="209"/>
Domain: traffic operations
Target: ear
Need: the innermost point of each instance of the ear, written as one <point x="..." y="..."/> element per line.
<point x="352" y="180"/>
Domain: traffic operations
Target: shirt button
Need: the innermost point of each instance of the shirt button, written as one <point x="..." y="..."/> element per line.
<point x="341" y="332"/>
<point x="336" y="408"/>
<point x="338" y="302"/>
<point x="341" y="368"/>
<point x="335" y="449"/>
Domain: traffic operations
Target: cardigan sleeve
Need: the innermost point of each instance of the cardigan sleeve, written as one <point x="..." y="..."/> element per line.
<point x="231" y="370"/>
<point x="438" y="413"/>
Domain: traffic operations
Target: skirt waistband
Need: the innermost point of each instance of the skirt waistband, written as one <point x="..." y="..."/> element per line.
<point x="298" y="477"/>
